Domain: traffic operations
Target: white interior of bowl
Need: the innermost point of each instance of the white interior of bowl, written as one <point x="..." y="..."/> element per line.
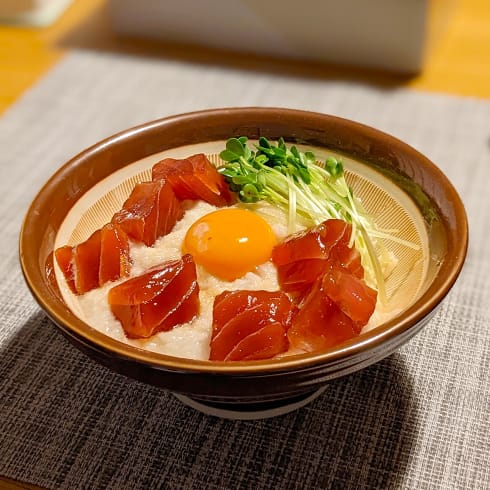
<point x="389" y="205"/>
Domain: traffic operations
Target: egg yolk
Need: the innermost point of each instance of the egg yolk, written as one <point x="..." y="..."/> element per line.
<point x="228" y="243"/>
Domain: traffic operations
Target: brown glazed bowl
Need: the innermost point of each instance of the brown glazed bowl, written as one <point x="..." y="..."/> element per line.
<point x="424" y="199"/>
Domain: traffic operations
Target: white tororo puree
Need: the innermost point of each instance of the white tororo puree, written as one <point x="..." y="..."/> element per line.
<point x="190" y="340"/>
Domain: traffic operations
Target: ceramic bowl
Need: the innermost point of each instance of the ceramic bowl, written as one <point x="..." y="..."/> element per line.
<point x="400" y="187"/>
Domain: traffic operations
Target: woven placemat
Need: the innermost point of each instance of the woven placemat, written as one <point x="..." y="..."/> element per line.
<point x="418" y="419"/>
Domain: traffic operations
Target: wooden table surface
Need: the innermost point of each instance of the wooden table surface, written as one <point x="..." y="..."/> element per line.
<point x="457" y="61"/>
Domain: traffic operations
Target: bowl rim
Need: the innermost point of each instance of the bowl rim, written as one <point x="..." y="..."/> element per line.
<point x="358" y="346"/>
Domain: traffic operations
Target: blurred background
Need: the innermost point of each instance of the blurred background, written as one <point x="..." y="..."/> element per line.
<point x="75" y="71"/>
<point x="432" y="45"/>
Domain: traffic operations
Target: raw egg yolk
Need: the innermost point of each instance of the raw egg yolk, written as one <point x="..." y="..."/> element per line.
<point x="230" y="242"/>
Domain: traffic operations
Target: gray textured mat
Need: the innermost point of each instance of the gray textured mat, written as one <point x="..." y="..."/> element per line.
<point x="418" y="419"/>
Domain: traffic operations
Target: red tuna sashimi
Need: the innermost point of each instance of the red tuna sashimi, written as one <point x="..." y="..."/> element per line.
<point x="229" y="304"/>
<point x="264" y="343"/>
<point x="240" y="315"/>
<point x="312" y="243"/>
<point x="151" y="211"/>
<point x="335" y="309"/>
<point x="114" y="254"/>
<point x="319" y="324"/>
<point x="64" y="258"/>
<point x="240" y="327"/>
<point x="194" y="178"/>
<point x="86" y="262"/>
<point x="103" y="257"/>
<point x="348" y="257"/>
<point x="351" y="294"/>
<point x="170" y="210"/>
<point x="157" y="300"/>
<point x="305" y="256"/>
<point x="296" y="278"/>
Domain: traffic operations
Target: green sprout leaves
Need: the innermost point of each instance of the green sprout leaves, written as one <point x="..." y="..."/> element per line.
<point x="236" y="148"/>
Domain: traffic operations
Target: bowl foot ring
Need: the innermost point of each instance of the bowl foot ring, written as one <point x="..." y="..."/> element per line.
<point x="251" y="411"/>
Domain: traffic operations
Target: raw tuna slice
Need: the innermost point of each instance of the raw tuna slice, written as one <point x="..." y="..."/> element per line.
<point x="307" y="255"/>
<point x="312" y="243"/>
<point x="157" y="300"/>
<point x="114" y="254"/>
<point x="151" y="211"/>
<point x="319" y="324"/>
<point x="239" y="321"/>
<point x="86" y="261"/>
<point x="64" y="258"/>
<point x="335" y="309"/>
<point x="351" y="294"/>
<point x="264" y="343"/>
<point x="324" y="275"/>
<point x="297" y="277"/>
<point x="103" y="257"/>
<point x="194" y="178"/>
